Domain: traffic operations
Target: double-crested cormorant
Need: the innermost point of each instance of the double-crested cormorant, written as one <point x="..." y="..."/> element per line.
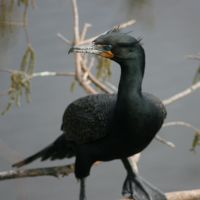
<point x="104" y="127"/>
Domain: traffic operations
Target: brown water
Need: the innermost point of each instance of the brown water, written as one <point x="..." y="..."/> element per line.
<point x="170" y="30"/>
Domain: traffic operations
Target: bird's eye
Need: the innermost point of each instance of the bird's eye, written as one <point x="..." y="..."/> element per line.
<point x="108" y="47"/>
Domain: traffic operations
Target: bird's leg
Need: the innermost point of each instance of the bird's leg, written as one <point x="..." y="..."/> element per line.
<point x="134" y="189"/>
<point x="83" y="164"/>
<point x="132" y="185"/>
<point x="82" y="195"/>
<point x="137" y="188"/>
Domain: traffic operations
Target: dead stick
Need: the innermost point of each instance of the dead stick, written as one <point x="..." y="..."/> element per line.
<point x="182" y="94"/>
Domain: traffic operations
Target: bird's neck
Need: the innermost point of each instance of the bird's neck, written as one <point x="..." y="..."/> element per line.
<point x="130" y="85"/>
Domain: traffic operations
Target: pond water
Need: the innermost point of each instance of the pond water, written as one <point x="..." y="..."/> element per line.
<point x="170" y="31"/>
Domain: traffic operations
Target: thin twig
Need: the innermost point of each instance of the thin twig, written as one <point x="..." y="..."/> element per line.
<point x="81" y="69"/>
<point x="196" y="57"/>
<point x="47" y="73"/>
<point x="182" y="123"/>
<point x="164" y="141"/>
<point x="182" y="94"/>
<point x="64" y="39"/>
<point x="80" y="64"/>
<point x="85" y="76"/>
<point x="123" y="25"/>
<point x="85" y="29"/>
<point x="76" y="22"/>
<point x="126" y="24"/>
<point x="111" y="86"/>
<point x="96" y="81"/>
<point x="76" y="41"/>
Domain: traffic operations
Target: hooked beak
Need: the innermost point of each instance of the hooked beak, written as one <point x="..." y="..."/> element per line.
<point x="101" y="50"/>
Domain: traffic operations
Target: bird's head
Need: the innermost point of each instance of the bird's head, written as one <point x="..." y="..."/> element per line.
<point x="113" y="44"/>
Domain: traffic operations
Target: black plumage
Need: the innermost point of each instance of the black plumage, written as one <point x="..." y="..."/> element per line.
<point x="105" y="127"/>
<point x="92" y="115"/>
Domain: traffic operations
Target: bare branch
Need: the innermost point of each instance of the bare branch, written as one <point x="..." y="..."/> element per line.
<point x="121" y="26"/>
<point x="96" y="81"/>
<point x="46" y="171"/>
<point x="164" y="141"/>
<point x="181" y="123"/>
<point x="85" y="29"/>
<point x="127" y="24"/>
<point x="64" y="39"/>
<point x="83" y="73"/>
<point x="47" y="73"/>
<point x="111" y="86"/>
<point x="196" y="57"/>
<point x="37" y="74"/>
<point x="184" y="195"/>
<point x="85" y="77"/>
<point x="76" y="22"/>
<point x="182" y="94"/>
<point x="61" y="171"/>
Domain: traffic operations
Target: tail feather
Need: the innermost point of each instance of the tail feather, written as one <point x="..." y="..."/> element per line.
<point x="59" y="149"/>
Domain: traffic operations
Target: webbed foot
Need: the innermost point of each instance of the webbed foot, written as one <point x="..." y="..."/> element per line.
<point x="136" y="188"/>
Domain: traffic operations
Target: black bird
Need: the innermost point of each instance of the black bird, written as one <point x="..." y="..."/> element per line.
<point x="104" y="127"/>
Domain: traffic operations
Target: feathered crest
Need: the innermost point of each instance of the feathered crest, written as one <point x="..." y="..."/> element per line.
<point x="114" y="29"/>
<point x="139" y="39"/>
<point x="118" y="28"/>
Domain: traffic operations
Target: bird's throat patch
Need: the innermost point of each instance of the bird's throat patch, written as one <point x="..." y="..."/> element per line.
<point x="107" y="54"/>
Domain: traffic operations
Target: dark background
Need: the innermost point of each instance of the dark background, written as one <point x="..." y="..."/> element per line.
<point x="170" y="31"/>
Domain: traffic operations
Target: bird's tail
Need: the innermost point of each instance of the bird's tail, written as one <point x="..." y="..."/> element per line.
<point x="59" y="149"/>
